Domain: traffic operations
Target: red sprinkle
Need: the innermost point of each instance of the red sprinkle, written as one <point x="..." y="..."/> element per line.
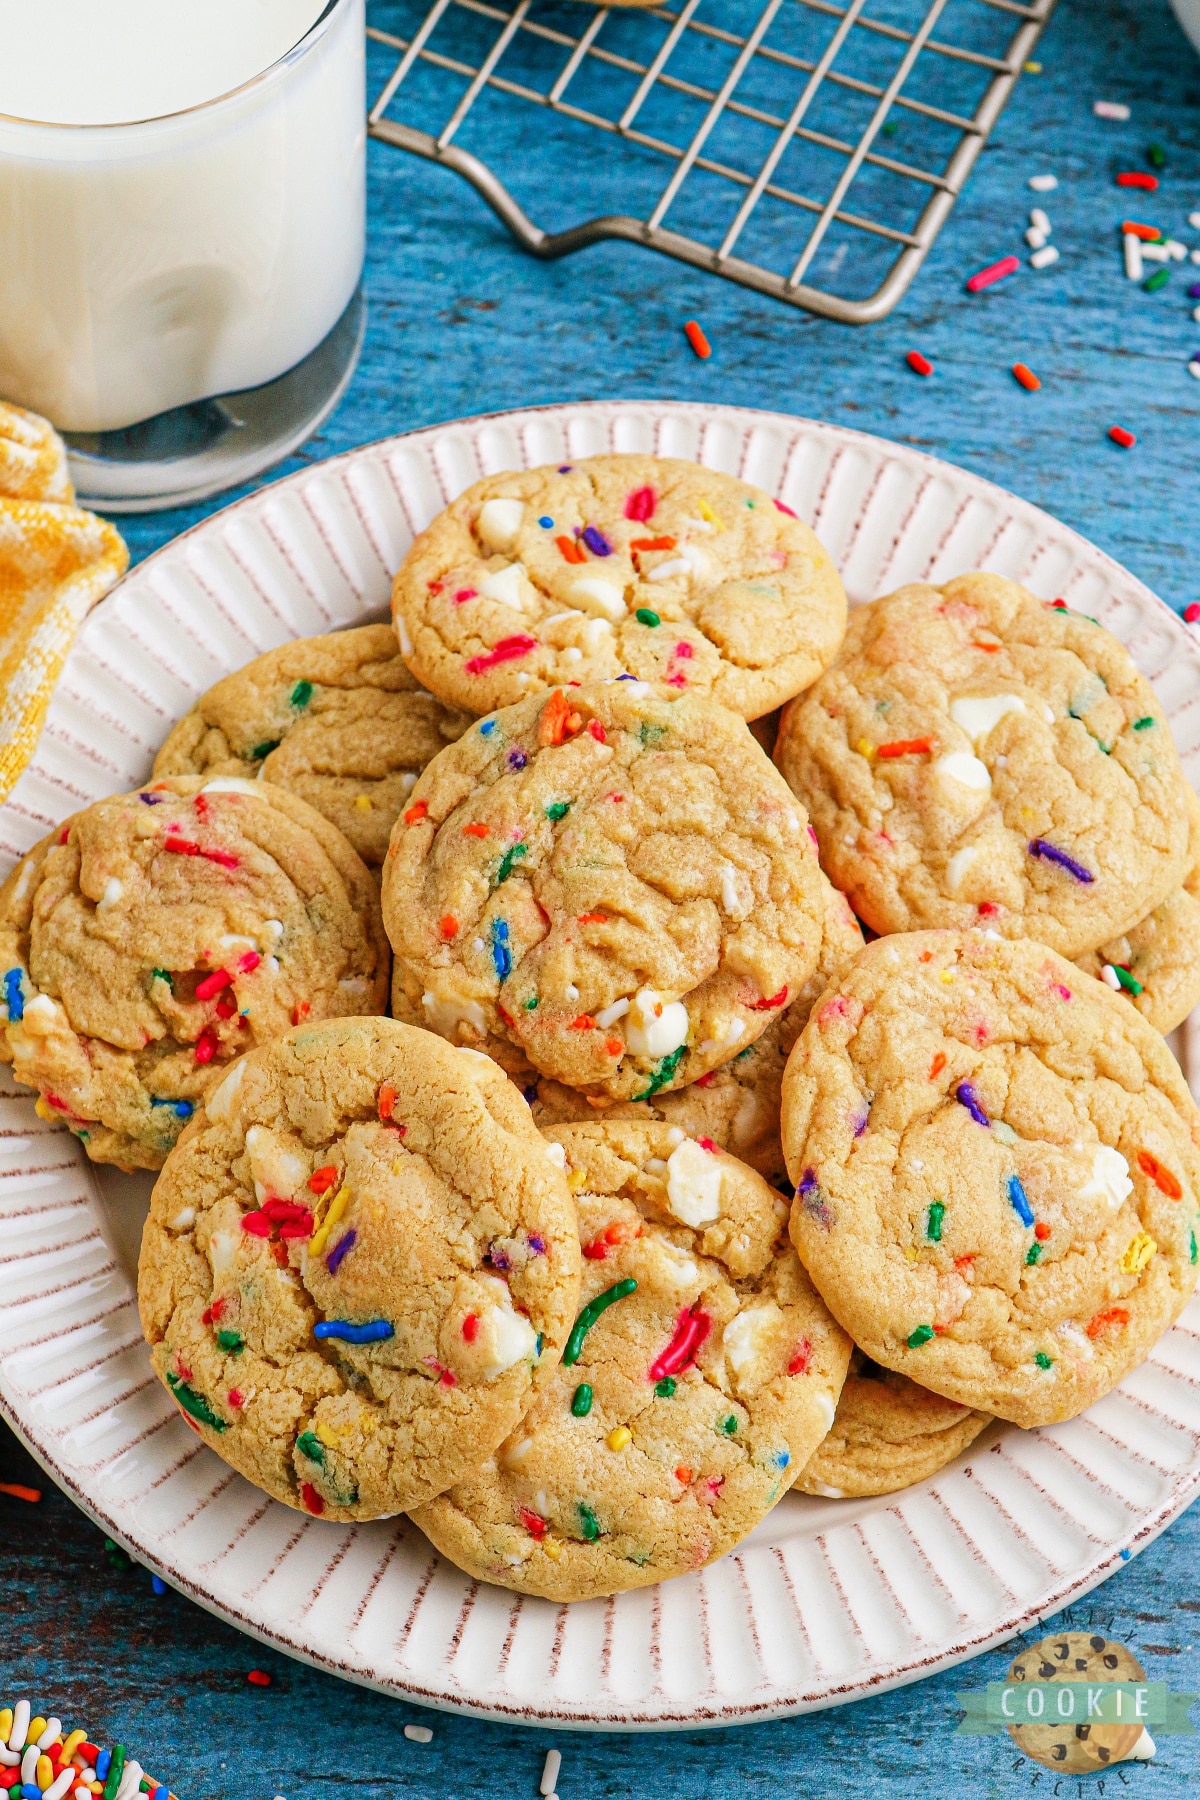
<point x="1041" y="1231"/>
<point x="64" y="834"/>
<point x="1112" y="1315"/>
<point x="235" y="1398"/>
<point x="417" y="811"/>
<point x="557" y="722"/>
<point x="592" y="919"/>
<point x="920" y="365"/>
<point x="801" y="1357"/>
<point x="533" y="1522"/>
<point x="300" y="1229"/>
<point x="311" y="1498"/>
<point x="1137" y="178"/>
<point x="505" y="1016"/>
<point x="249" y="962"/>
<point x="509" y="649"/>
<point x="1191" y="612"/>
<point x="259" y="1678"/>
<point x="256" y="1224"/>
<point x="300" y="1011"/>
<point x="906" y="747"/>
<point x="1148" y="233"/>
<point x="1119" y="435"/>
<point x="691" y="1329"/>
<point x="225" y="1008"/>
<point x="184" y="847"/>
<point x="780" y="507"/>
<point x="213" y="984"/>
<point x="639" y="506"/>
<point x="769" y="1004"/>
<point x="570" y="550"/>
<point x="584" y="1022"/>
<point x="697" y="340"/>
<point x="463" y="595"/>
<point x="705" y="1080"/>
<point x="937" y="1065"/>
<point x="615" y="1046"/>
<point x="1026" y="377"/>
<point x="597" y="1250"/>
<point x="706" y="1143"/>
<point x="596" y="730"/>
<point x="386" y="1100"/>
<point x="448" y="925"/>
<point x="321" y="1180"/>
<point x="1008" y="265"/>
<point x="470" y="1328"/>
<point x="206" y="1045"/>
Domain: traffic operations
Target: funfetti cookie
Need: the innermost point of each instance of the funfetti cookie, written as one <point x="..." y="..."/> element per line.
<point x="336" y="719"/>
<point x="1156" y="963"/>
<point x="977" y="756"/>
<point x="613" y="565"/>
<point x="156" y="936"/>
<point x="610" y="886"/>
<point x="887" y="1434"/>
<point x="701" y="1370"/>
<point x="360" y="1265"/>
<point x="997" y="1167"/>
<point x="737" y="1105"/>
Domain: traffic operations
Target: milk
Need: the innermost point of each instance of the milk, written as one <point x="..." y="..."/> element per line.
<point x="181" y="197"/>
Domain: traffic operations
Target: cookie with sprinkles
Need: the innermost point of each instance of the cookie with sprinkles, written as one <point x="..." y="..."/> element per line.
<point x="154" y="937"/>
<point x="737" y="1105"/>
<point x="608" y="884"/>
<point x="336" y="719"/>
<point x="887" y="1434"/>
<point x="361" y="1265"/>
<point x="613" y="565"/>
<point x="977" y="756"/>
<point x="1156" y="963"/>
<point x="701" y="1371"/>
<point x="997" y="1164"/>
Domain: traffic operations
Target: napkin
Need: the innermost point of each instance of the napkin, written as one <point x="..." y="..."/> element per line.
<point x="56" y="561"/>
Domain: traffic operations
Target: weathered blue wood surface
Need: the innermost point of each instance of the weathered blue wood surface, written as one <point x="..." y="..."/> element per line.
<point x="462" y="322"/>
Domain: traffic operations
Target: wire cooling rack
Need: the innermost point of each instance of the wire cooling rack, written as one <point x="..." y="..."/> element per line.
<point x="813" y="151"/>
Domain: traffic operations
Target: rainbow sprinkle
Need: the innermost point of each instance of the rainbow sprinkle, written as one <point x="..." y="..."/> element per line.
<point x="60" y="1762"/>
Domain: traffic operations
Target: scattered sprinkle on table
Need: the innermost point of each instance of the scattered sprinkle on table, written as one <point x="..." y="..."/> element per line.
<point x="1153" y="282"/>
<point x="71" y="1763"/>
<point x="697" y="339"/>
<point x="1026" y="377"/>
<point x="1194" y="365"/>
<point x="1191" y="612"/>
<point x="1133" y="256"/>
<point x="920" y="365"/>
<point x="550" y="1770"/>
<point x="418" y="1734"/>
<point x="1110" y="109"/>
<point x="1119" y="435"/>
<point x="1134" y="228"/>
<point x="1137" y="178"/>
<point x="1156" y="156"/>
<point x="258" y="1678"/>
<point x="1042" y="259"/>
<point x="17" y="1491"/>
<point x="1043" y="184"/>
<point x="982" y="278"/>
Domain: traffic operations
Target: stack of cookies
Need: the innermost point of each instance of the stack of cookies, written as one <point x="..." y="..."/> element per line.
<point x="649" y="1188"/>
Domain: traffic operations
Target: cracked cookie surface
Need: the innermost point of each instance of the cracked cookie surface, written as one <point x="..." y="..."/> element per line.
<point x="996" y="1171"/>
<point x="610" y="886"/>
<point x="643" y="565"/>
<point x="975" y="756"/>
<point x="359" y="1266"/>
<point x="156" y="936"/>
<point x="702" y="1370"/>
<point x="337" y="719"/>
<point x="887" y="1434"/>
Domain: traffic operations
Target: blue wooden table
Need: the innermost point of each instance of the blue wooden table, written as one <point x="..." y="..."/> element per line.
<point x="462" y="322"/>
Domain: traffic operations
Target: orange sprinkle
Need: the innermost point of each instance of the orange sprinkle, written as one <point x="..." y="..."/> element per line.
<point x="1162" y="1178"/>
<point x="906" y="747"/>
<point x="1112" y="1315"/>
<point x="659" y="543"/>
<point x="937" y="1065"/>
<point x="614" y="1046"/>
<point x="479" y="831"/>
<point x="321" y="1180"/>
<point x="505" y="1016"/>
<point x="570" y="550"/>
<point x="683" y="1474"/>
<point x="386" y="1099"/>
<point x="991" y="649"/>
<point x="1026" y="377"/>
<point x="592" y="919"/>
<point x="697" y="340"/>
<point x="1041" y="1231"/>
<point x="448" y="925"/>
<point x="584" y="1022"/>
<point x="1149" y="233"/>
<point x="963" y="1262"/>
<point x="300" y="1012"/>
<point x="19" y="1492"/>
<point x="417" y="811"/>
<point x="557" y="722"/>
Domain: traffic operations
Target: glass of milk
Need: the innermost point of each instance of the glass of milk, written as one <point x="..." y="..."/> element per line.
<point x="181" y="217"/>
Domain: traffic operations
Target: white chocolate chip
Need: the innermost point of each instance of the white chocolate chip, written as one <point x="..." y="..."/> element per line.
<point x="957" y="867"/>
<point x="513" y="1455"/>
<point x="277" y="1171"/>
<point x="828" y="1493"/>
<point x="826" y="1407"/>
<point x="505" y="1335"/>
<point x="272" y="931"/>
<point x="113" y="889"/>
<point x="675" y="1264"/>
<point x="499" y="522"/>
<point x="406" y="643"/>
<point x="595" y="595"/>
<point x="1078" y="1339"/>
<point x="655" y="1026"/>
<point x="41" y="1015"/>
<point x="1110" y="1178"/>
<point x="446" y="1012"/>
<point x="596" y="632"/>
<point x="222" y="1253"/>
<point x="184" y="1219"/>
<point x="965" y="769"/>
<point x="231" y="784"/>
<point x="557" y="1155"/>
<point x="694" y="1179"/>
<point x="220" y="1103"/>
<point x="507" y="586"/>
<point x="744" y="1335"/>
<point x="980" y="715"/>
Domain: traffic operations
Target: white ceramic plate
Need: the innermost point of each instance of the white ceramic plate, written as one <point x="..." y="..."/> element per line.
<point x="827" y="1600"/>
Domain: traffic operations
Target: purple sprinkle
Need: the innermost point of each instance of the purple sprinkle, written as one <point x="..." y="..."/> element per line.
<point x="499" y="1259"/>
<point x="1194" y="291"/>
<point x="565" y="468"/>
<point x="517" y="759"/>
<point x="344" y="1244"/>
<point x="626" y="677"/>
<point x="964" y="1093"/>
<point x="1039" y="847"/>
<point x="813" y="1200"/>
<point x="530" y="1093"/>
<point x="861" y="1125"/>
<point x="596" y="541"/>
<point x="537" y="1244"/>
<point x="152" y="799"/>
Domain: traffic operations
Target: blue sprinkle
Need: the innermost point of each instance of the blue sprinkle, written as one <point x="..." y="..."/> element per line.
<point x="596" y="541"/>
<point x="183" y="1109"/>
<point x="31" y="1791"/>
<point x="782" y="1458"/>
<point x="344" y="1245"/>
<point x="158" y="1585"/>
<point x="487" y="727"/>
<point x="102" y="1762"/>
<point x="374" y="1333"/>
<point x="1020" y="1202"/>
<point x="501" y="954"/>
<point x="1125" y="1555"/>
<point x="540" y="1341"/>
<point x="546" y="522"/>
<point x="15" y="996"/>
<point x="964" y="1093"/>
<point x="517" y="759"/>
<point x="530" y="1093"/>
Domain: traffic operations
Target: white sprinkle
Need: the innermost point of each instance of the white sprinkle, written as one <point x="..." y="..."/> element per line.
<point x="729" y="892"/>
<point x="1035" y="238"/>
<point x="1043" y="184"/>
<point x="1155" y="253"/>
<point x="674" y="565"/>
<point x="1133" y="257"/>
<point x="1041" y="259"/>
<point x="479" y="944"/>
<point x="1109" y="976"/>
<point x="654" y="1165"/>
<point x="1196" y="256"/>
<point x="1040" y="222"/>
<point x="418" y="1734"/>
<point x="1175" y="250"/>
<point x="557" y="1155"/>
<point x="406" y="644"/>
<point x="612" y="1013"/>
<point x="572" y="654"/>
<point x="562" y="617"/>
<point x="1194" y="222"/>
<point x="53" y="1730"/>
<point x="1194" y="365"/>
<point x="1110" y="109"/>
<point x="675" y="1135"/>
<point x="572" y="991"/>
<point x="184" y="1219"/>
<point x="522" y="679"/>
<point x="550" y="1770"/>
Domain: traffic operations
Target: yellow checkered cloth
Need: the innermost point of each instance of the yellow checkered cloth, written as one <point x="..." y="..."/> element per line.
<point x="56" y="561"/>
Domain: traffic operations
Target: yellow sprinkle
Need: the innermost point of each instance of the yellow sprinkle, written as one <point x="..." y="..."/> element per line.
<point x="910" y="1253"/>
<point x="1138" y="1253"/>
<point x="398" y="1166"/>
<point x="945" y="975"/>
<point x="328" y="1435"/>
<point x="576" y="1179"/>
<point x="865" y="749"/>
<point x="368" y="1424"/>
<point x="5" y="1723"/>
<point x="36" y="1728"/>
<point x="320" y="1236"/>
<point x="552" y="1548"/>
<point x="43" y="1112"/>
<point x="709" y="516"/>
<point x="1033" y="68"/>
<point x="44" y="1772"/>
<point x="69" y="1748"/>
<point x="618" y="1439"/>
<point x="362" y="803"/>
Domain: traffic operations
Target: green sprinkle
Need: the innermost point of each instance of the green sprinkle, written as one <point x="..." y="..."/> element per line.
<point x="933" y="1222"/>
<point x="651" y="734"/>
<point x="663" y="1071"/>
<point x="728" y="1425"/>
<point x="163" y="975"/>
<point x="581" y="1401"/>
<point x="302" y="693"/>
<point x="891" y="128"/>
<point x="1032" y="1254"/>
<point x="590" y="1314"/>
<point x="116" y="1769"/>
<point x="666" y="1387"/>
<point x="310" y="1445"/>
<point x="1159" y="279"/>
<point x="1129" y="982"/>
<point x="1143" y="724"/>
<point x="196" y="1404"/>
<point x="1194" y="1251"/>
<point x="588" y="1522"/>
<point x="751" y="504"/>
<point x="261" y="750"/>
<point x="558" y="810"/>
<point x="231" y="1341"/>
<point x="920" y="1336"/>
<point x="1043" y="1361"/>
<point x="530" y="1004"/>
<point x="645" y="616"/>
<point x="508" y="859"/>
<point x="1156" y="156"/>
